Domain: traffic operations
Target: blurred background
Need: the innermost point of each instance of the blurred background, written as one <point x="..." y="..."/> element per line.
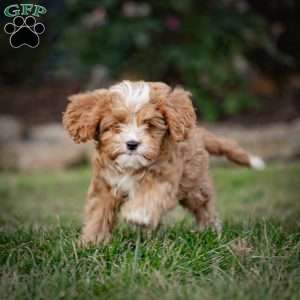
<point x="239" y="58"/>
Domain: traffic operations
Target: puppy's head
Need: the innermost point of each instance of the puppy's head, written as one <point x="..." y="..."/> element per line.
<point x="130" y="120"/>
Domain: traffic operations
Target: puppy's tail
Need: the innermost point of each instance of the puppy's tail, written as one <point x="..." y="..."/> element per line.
<point x="221" y="146"/>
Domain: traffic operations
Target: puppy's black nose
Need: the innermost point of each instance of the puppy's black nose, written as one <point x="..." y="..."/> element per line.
<point x="132" y="145"/>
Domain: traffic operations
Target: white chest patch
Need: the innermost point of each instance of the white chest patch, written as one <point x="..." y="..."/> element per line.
<point x="134" y="94"/>
<point x="121" y="184"/>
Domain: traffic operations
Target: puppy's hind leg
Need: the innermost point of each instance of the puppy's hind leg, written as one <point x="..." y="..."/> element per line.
<point x="201" y="203"/>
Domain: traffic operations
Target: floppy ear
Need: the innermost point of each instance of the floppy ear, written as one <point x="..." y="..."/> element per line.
<point x="179" y="113"/>
<point x="84" y="113"/>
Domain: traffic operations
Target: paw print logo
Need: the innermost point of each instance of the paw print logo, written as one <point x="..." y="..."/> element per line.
<point x="24" y="32"/>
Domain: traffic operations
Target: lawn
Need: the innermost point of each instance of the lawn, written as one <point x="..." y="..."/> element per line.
<point x="257" y="256"/>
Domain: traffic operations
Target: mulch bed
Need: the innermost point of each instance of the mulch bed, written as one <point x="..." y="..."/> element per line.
<point x="37" y="104"/>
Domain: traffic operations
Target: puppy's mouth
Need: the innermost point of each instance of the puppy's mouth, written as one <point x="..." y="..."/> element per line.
<point x="132" y="160"/>
<point x="131" y="153"/>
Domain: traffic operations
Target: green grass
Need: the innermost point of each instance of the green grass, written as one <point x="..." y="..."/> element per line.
<point x="257" y="256"/>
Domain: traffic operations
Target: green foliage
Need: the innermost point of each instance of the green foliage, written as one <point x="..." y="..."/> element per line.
<point x="194" y="43"/>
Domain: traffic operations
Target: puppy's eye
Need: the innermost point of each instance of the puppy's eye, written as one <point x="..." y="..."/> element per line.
<point x="116" y="128"/>
<point x="155" y="123"/>
<point x="149" y="125"/>
<point x="111" y="127"/>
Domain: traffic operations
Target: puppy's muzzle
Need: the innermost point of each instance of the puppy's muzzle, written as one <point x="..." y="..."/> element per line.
<point x="132" y="145"/>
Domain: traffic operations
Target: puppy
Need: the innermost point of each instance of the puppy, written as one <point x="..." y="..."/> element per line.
<point x="150" y="155"/>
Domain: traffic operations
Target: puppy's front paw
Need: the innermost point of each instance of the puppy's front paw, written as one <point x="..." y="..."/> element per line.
<point x="214" y="224"/>
<point x="138" y="216"/>
<point x="85" y="241"/>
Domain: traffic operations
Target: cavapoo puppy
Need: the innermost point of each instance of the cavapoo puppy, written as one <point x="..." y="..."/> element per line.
<point x="150" y="155"/>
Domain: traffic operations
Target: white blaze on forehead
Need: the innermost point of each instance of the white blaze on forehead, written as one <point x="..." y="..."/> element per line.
<point x="134" y="94"/>
<point x="131" y="131"/>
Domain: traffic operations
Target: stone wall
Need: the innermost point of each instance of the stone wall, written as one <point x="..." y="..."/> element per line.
<point x="49" y="146"/>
